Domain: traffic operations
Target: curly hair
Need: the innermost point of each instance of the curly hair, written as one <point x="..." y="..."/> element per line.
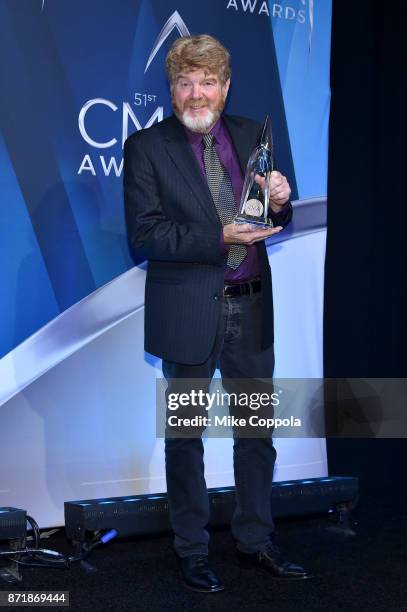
<point x="199" y="52"/>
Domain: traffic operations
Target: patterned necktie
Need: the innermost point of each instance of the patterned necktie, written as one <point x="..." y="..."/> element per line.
<point x="220" y="187"/>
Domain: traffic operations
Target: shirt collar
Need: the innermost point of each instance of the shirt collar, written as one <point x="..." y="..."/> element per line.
<point x="195" y="138"/>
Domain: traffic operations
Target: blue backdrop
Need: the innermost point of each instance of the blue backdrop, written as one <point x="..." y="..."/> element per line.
<point x="77" y="77"/>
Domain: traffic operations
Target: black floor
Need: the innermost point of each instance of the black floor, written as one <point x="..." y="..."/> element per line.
<point x="366" y="572"/>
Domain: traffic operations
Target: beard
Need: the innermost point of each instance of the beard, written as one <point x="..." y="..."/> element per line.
<point x="199" y="124"/>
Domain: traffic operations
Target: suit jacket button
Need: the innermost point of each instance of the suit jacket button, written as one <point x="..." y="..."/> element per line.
<point x="216" y="297"/>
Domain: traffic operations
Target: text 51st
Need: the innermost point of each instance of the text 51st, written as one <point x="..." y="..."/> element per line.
<point x="142" y="99"/>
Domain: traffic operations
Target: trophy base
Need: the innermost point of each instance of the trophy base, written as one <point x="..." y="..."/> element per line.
<point x="254" y="221"/>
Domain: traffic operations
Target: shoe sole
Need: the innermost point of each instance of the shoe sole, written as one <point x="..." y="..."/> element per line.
<point x="246" y="565"/>
<point x="198" y="590"/>
<point x="294" y="579"/>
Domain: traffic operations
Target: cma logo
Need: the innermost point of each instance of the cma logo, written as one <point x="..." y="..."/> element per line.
<point x="175" y="21"/>
<point x="127" y="114"/>
<point x="128" y="117"/>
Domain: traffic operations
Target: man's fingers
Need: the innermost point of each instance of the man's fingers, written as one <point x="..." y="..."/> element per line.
<point x="260" y="180"/>
<point x="278" y="191"/>
<point x="242" y="228"/>
<point x="259" y="235"/>
<point x="247" y="233"/>
<point x="276" y="184"/>
<point x="255" y="232"/>
<point x="265" y="234"/>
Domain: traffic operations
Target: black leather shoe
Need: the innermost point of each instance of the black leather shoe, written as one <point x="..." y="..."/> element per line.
<point x="198" y="575"/>
<point x="270" y="560"/>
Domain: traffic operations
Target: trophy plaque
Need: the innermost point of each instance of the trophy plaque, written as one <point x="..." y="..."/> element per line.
<point x="254" y="203"/>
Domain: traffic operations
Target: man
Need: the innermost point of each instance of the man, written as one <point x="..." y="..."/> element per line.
<point x="208" y="295"/>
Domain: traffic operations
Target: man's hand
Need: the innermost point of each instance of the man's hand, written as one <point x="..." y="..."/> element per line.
<point x="279" y="190"/>
<point x="247" y="234"/>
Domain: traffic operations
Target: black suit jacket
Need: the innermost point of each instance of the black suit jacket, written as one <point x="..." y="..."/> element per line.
<point x="172" y="222"/>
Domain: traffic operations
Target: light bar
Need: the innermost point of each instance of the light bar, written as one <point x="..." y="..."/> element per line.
<point x="147" y="514"/>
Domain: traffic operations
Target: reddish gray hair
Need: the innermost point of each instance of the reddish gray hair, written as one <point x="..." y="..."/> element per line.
<point x="199" y="52"/>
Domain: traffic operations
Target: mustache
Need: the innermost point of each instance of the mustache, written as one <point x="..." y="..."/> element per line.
<point x="196" y="105"/>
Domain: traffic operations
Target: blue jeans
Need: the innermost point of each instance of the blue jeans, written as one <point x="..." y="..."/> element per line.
<point x="237" y="353"/>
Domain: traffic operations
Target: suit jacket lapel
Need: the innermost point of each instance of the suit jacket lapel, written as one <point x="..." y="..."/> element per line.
<point x="242" y="143"/>
<point x="183" y="157"/>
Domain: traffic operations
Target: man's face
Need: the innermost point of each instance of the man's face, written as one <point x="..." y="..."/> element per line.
<point x="198" y="99"/>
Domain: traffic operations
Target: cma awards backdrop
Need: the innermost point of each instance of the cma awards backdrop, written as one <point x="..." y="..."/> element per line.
<point x="77" y="391"/>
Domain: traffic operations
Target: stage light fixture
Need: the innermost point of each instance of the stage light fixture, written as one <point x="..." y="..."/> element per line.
<point x="13" y="523"/>
<point x="148" y="514"/>
<point x="13" y="530"/>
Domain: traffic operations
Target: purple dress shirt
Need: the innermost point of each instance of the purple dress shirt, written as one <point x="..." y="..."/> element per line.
<point x="249" y="268"/>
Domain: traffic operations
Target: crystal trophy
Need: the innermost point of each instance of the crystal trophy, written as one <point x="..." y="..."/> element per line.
<point x="254" y="203"/>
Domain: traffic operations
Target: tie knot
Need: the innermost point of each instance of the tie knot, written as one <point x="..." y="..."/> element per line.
<point x="208" y="140"/>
